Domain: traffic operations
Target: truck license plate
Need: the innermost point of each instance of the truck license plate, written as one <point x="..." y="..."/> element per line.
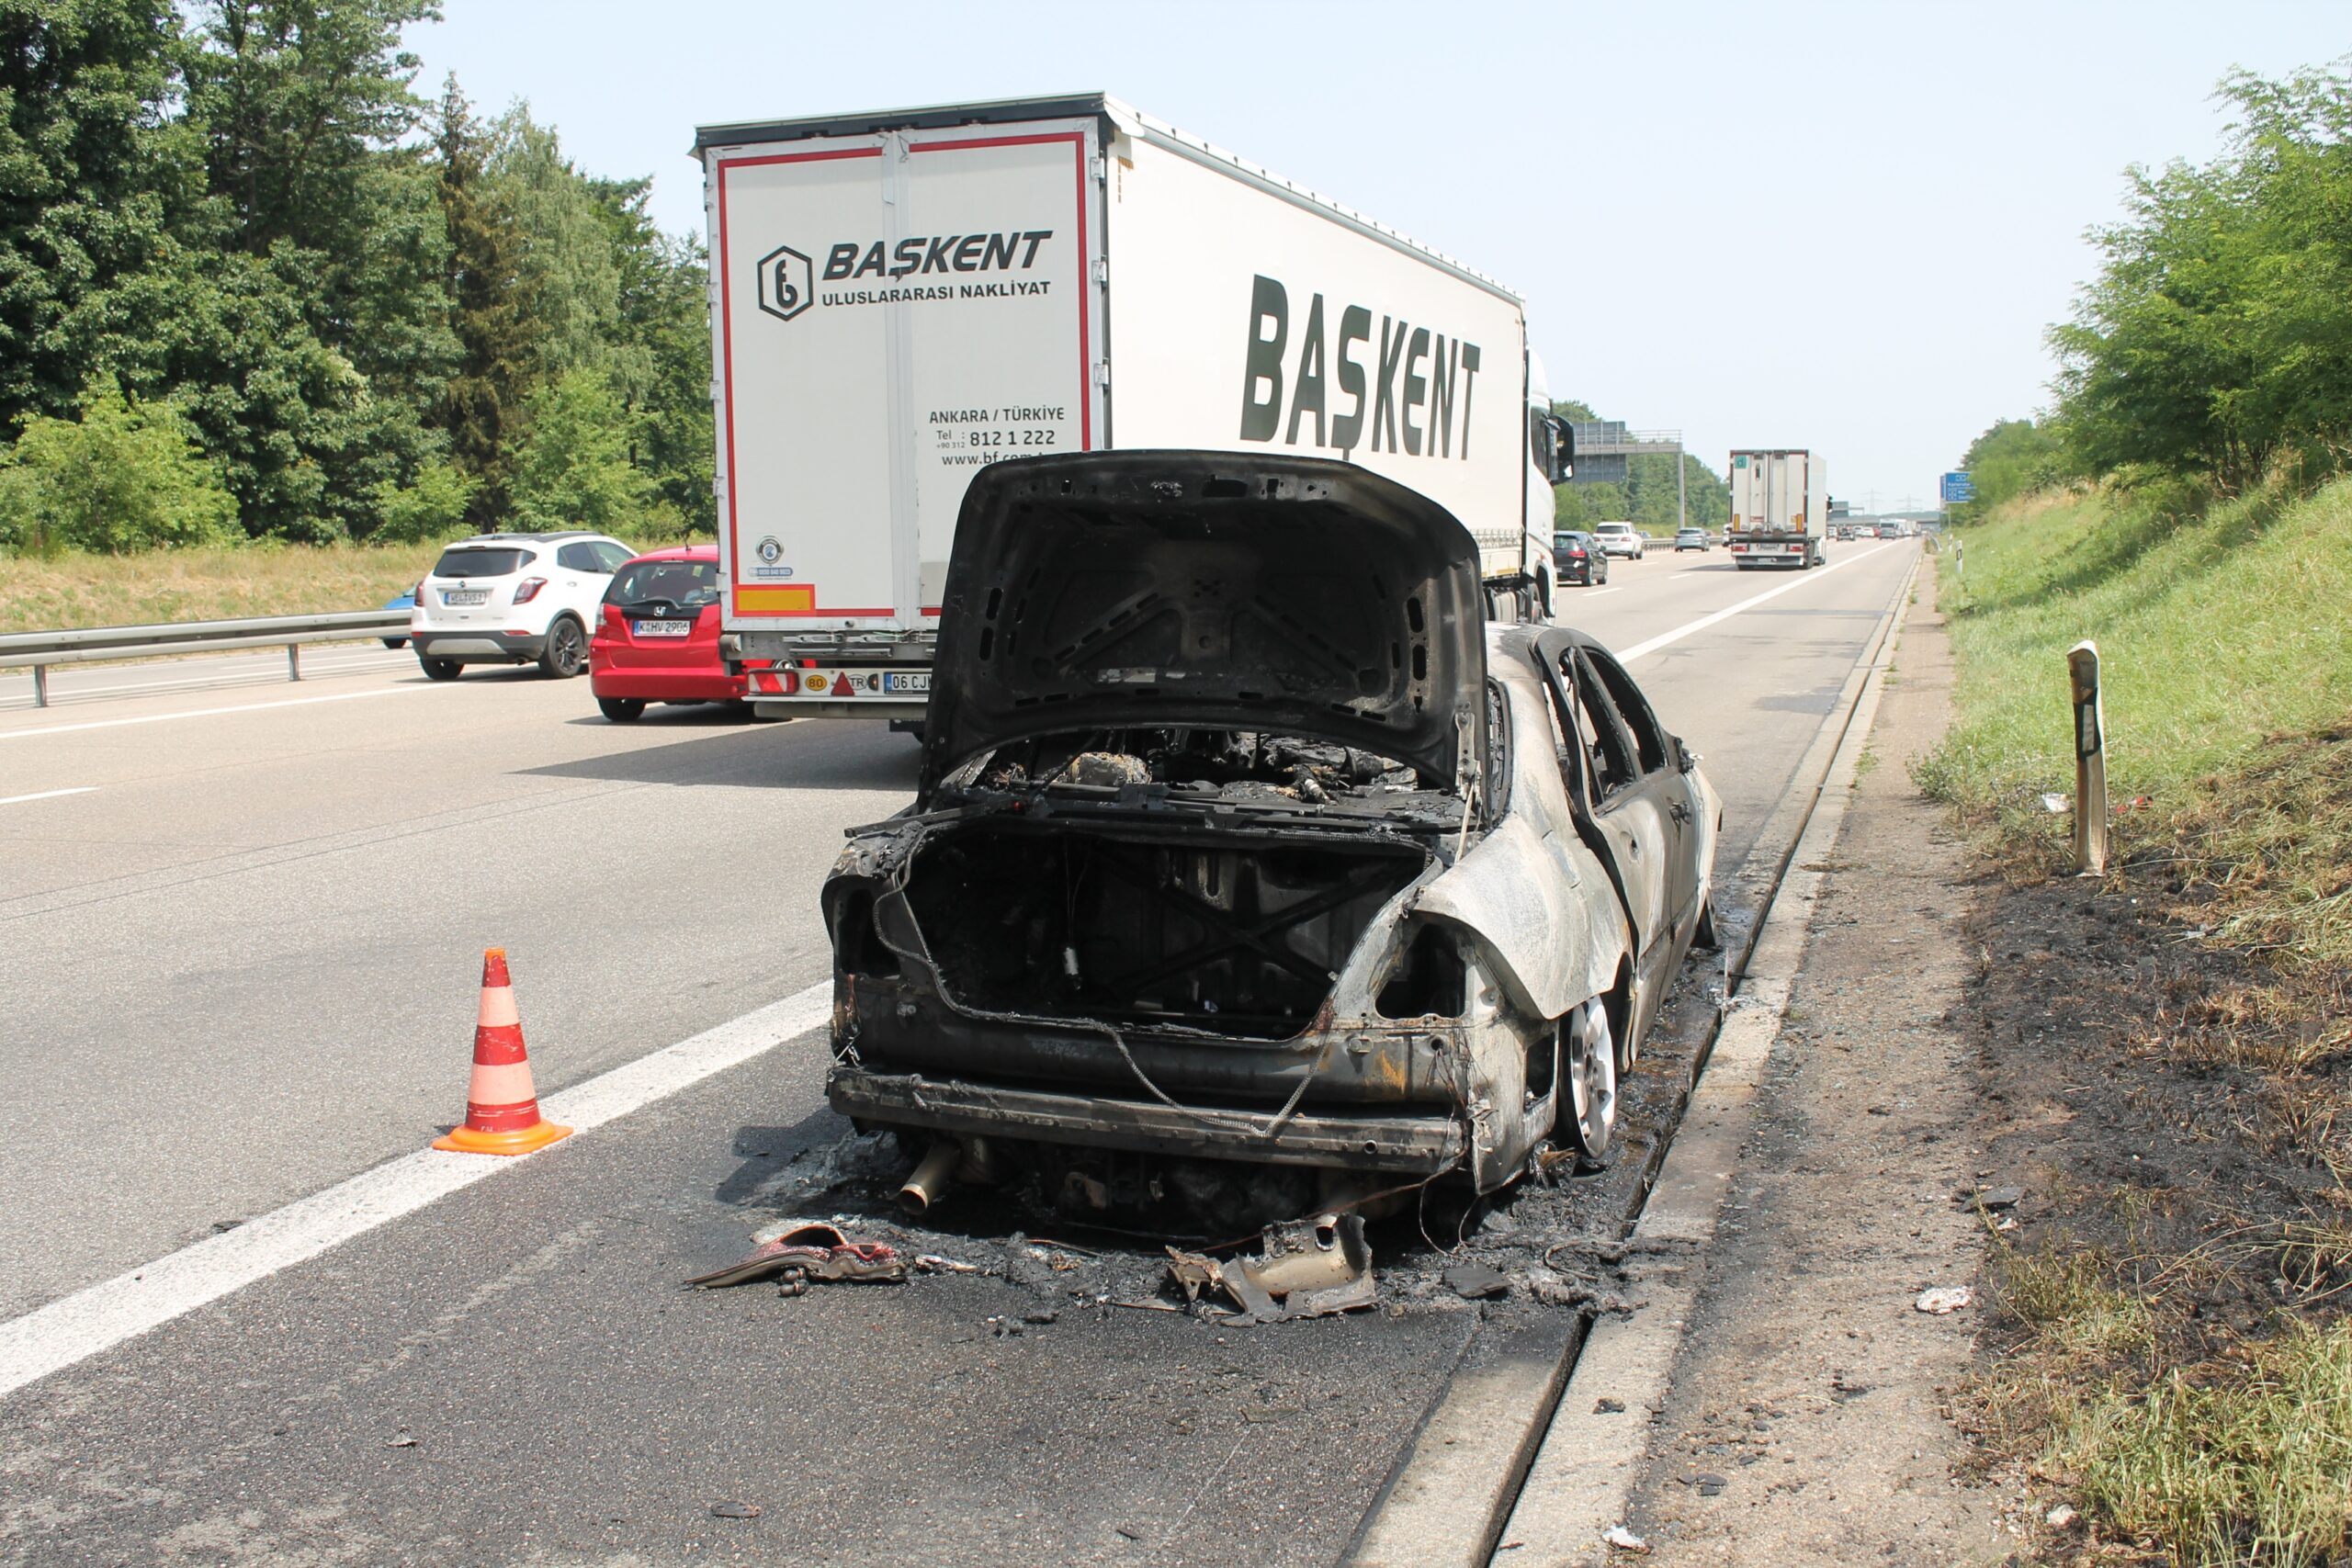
<point x="907" y="682"/>
<point x="664" y="628"/>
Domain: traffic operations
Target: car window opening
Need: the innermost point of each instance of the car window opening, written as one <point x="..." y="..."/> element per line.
<point x="481" y="563"/>
<point x="1614" y="758"/>
<point x="1632" y="711"/>
<point x="685" y="584"/>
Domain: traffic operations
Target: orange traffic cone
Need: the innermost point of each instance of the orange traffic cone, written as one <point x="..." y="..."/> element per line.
<point x="502" y="1110"/>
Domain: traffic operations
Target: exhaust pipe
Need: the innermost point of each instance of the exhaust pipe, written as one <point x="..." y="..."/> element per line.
<point x="932" y="1178"/>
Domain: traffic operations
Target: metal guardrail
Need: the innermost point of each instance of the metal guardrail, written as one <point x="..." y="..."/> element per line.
<point x="38" y="650"/>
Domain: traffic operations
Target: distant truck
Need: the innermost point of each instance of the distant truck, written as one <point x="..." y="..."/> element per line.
<point x="899" y="299"/>
<point x="1779" y="508"/>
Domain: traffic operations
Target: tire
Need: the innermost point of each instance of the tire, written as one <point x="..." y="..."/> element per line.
<point x="439" y="668"/>
<point x="621" y="710"/>
<point x="1589" y="1062"/>
<point x="566" y="653"/>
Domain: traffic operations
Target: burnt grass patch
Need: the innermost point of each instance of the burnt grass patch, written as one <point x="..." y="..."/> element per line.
<point x="2166" y="1072"/>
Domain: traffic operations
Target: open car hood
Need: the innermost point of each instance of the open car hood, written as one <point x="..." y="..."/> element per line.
<point x="1207" y="590"/>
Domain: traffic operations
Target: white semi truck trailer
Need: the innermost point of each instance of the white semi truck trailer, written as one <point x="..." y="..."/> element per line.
<point x="1779" y="508"/>
<point x="900" y="298"/>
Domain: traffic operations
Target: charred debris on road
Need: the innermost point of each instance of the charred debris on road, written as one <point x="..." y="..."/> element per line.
<point x="1103" y="1234"/>
<point x="1101" y="1238"/>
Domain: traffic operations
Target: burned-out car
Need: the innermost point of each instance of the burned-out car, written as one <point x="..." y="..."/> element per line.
<point x="1242" y="836"/>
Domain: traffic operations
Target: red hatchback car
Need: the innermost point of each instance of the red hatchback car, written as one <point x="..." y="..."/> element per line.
<point x="659" y="638"/>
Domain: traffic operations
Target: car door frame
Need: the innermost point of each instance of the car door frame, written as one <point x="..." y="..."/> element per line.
<point x="1627" y="828"/>
<point x="1635" y="829"/>
<point x="1672" y="784"/>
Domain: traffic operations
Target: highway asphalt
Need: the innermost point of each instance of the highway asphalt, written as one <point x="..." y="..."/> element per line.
<point x="241" y="961"/>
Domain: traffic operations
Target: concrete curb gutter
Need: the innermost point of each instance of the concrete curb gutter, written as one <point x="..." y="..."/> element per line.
<point x="1488" y="1462"/>
<point x="1584" y="1473"/>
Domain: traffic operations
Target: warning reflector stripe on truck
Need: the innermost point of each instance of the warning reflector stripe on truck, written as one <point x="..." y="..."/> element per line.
<point x="796" y="599"/>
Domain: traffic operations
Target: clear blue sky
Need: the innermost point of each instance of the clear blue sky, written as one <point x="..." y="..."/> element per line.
<point x="1843" y="227"/>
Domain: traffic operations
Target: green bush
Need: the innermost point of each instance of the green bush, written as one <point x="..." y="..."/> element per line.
<point x="432" y="505"/>
<point x="123" y="476"/>
<point x="2217" y="340"/>
<point x="573" y="470"/>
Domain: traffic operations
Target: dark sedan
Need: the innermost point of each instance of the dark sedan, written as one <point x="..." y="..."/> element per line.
<point x="1578" y="557"/>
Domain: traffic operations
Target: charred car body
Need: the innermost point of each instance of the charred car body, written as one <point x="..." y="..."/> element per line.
<point x="1241" y="835"/>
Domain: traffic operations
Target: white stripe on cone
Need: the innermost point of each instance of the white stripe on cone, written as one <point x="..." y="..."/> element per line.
<point x="498" y="1007"/>
<point x="501" y="1085"/>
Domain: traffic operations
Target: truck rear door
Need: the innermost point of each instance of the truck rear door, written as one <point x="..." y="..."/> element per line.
<point x="894" y="310"/>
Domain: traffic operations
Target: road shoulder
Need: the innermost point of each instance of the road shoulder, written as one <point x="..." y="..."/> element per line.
<point x="1806" y="1419"/>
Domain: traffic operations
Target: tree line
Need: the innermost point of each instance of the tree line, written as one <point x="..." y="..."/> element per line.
<point x="2215" y="343"/>
<point x="253" y="284"/>
<point x="1647" y="496"/>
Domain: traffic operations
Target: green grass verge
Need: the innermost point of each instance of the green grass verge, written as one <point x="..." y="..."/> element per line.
<point x="2226" y="659"/>
<point x="2225" y="650"/>
<point x="72" y="590"/>
<point x="2216" y="628"/>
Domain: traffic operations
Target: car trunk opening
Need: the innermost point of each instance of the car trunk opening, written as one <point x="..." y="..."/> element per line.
<point x="1221" y="934"/>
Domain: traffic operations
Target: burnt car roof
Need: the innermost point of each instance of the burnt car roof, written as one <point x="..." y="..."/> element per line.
<point x="1207" y="590"/>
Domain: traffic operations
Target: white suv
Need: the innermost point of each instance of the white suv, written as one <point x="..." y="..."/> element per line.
<point x="1622" y="539"/>
<point x="513" y="598"/>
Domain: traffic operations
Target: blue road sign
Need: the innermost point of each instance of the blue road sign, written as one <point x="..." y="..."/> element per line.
<point x="1958" y="488"/>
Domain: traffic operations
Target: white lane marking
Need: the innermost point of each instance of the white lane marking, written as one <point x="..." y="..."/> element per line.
<point x="101" y="1316"/>
<point x="1595" y="592"/>
<point x="206" y="712"/>
<point x="1628" y="655"/>
<point x="45" y="794"/>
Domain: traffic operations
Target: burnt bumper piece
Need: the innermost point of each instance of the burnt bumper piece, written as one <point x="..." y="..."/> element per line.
<point x="1419" y="1146"/>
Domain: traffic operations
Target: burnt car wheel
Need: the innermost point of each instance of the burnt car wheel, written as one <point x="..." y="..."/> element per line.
<point x="1588" y="1055"/>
